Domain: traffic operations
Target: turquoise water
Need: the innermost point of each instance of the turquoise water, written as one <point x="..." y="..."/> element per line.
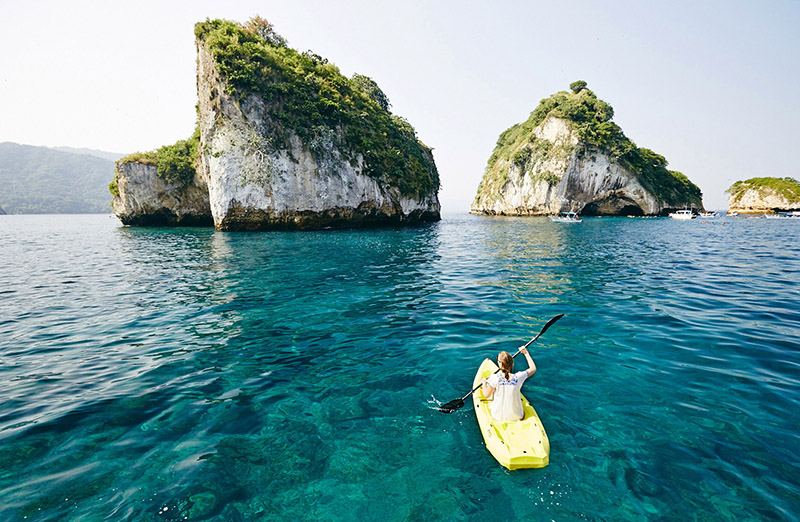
<point x="167" y="374"/>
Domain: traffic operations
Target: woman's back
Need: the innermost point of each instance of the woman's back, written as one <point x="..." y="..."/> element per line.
<point x="506" y="402"/>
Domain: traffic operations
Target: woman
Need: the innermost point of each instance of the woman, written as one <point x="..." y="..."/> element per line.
<point x="503" y="387"/>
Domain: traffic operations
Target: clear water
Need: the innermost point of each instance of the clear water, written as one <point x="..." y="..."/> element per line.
<point x="166" y="374"/>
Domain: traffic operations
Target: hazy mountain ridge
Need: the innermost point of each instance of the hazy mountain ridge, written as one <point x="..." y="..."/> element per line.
<point x="44" y="180"/>
<point x="111" y="156"/>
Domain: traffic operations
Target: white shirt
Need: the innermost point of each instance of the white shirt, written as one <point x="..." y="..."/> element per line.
<point x="506" y="403"/>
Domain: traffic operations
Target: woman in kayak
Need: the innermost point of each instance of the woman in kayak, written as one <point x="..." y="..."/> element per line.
<point x="503" y="387"/>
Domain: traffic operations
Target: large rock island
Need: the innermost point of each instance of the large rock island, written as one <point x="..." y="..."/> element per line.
<point x="764" y="195"/>
<point x="284" y="141"/>
<point x="569" y="156"/>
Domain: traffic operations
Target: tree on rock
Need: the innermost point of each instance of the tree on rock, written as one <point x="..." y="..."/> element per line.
<point x="264" y="29"/>
<point x="577" y="86"/>
<point x="371" y="89"/>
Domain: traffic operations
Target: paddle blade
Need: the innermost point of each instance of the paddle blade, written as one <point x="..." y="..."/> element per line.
<point x="451" y="406"/>
<point x="550" y="323"/>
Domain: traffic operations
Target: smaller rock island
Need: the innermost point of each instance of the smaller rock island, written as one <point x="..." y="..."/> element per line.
<point x="764" y="196"/>
<point x="283" y="141"/>
<point x="568" y="156"/>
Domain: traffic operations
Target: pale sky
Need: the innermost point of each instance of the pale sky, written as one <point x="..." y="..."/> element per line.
<point x="710" y="85"/>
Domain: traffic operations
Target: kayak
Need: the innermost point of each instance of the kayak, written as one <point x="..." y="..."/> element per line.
<point x="515" y="444"/>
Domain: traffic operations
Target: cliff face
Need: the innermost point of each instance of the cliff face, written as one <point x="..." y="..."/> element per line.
<point x="764" y="195"/>
<point x="286" y="141"/>
<point x="754" y="201"/>
<point x="254" y="184"/>
<point x="569" y="156"/>
<point x="562" y="174"/>
<point x="145" y="199"/>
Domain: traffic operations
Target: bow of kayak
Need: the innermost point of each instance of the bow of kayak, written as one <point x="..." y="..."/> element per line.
<point x="515" y="444"/>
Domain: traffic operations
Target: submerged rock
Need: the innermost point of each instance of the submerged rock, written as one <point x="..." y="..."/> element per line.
<point x="569" y="156"/>
<point x="143" y="198"/>
<point x="764" y="195"/>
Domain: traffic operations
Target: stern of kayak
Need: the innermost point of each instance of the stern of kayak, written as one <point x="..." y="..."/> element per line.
<point x="516" y="444"/>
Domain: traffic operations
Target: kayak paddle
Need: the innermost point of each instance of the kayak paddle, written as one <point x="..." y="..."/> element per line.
<point x="456" y="404"/>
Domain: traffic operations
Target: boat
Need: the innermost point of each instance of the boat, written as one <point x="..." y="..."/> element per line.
<point x="682" y="214"/>
<point x="566" y="217"/>
<point x="708" y="215"/>
<point x="515" y="444"/>
<point x="784" y="215"/>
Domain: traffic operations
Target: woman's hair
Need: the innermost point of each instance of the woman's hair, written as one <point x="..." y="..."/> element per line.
<point x="506" y="363"/>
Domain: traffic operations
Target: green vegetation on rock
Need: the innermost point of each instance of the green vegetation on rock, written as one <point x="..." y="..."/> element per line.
<point x="590" y="118"/>
<point x="308" y="96"/>
<point x="175" y="163"/>
<point x="787" y="188"/>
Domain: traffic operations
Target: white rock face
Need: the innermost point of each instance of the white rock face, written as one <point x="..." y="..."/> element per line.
<point x="565" y="175"/>
<point x="758" y="201"/>
<point x="146" y="199"/>
<point x="254" y="185"/>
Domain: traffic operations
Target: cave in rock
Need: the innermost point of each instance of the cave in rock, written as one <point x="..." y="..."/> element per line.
<point x="612" y="207"/>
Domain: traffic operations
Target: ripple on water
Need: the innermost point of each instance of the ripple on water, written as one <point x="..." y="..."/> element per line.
<point x="160" y="374"/>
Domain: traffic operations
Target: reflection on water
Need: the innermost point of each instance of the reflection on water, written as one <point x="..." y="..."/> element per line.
<point x="172" y="374"/>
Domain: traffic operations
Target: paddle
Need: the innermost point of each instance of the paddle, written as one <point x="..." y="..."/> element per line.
<point x="456" y="404"/>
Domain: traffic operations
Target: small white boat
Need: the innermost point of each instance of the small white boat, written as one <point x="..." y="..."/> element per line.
<point x="784" y="215"/>
<point x="709" y="214"/>
<point x="566" y="217"/>
<point x="682" y="214"/>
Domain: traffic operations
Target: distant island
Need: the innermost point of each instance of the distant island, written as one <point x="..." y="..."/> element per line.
<point x="283" y="141"/>
<point x="569" y="156"/>
<point x="44" y="180"/>
<point x="764" y="195"/>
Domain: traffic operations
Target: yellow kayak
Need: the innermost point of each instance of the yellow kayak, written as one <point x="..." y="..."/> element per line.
<point x="515" y="444"/>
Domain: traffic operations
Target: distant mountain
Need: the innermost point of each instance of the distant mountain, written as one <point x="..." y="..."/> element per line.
<point x="42" y="180"/>
<point x="113" y="156"/>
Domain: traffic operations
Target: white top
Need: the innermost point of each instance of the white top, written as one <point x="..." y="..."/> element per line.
<point x="506" y="403"/>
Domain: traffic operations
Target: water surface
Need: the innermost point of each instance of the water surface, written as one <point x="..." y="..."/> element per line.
<point x="188" y="374"/>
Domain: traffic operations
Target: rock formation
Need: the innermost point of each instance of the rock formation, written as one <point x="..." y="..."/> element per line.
<point x="143" y="198"/>
<point x="764" y="195"/>
<point x="287" y="142"/>
<point x="255" y="182"/>
<point x="569" y="156"/>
